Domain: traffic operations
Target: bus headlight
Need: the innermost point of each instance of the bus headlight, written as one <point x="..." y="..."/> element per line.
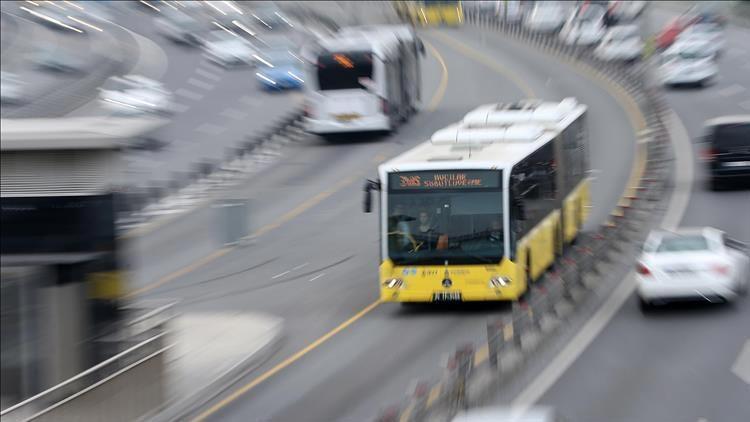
<point x="393" y="283"/>
<point x="498" y="282"/>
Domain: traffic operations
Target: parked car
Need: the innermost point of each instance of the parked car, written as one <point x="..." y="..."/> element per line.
<point x="585" y="25"/>
<point x="626" y="11"/>
<point x="620" y="43"/>
<point x="135" y="94"/>
<point x="280" y="69"/>
<point x="57" y="60"/>
<point x="227" y="49"/>
<point x="691" y="264"/>
<point x="726" y="150"/>
<point x="11" y="88"/>
<point x="180" y="27"/>
<point x="688" y="62"/>
<point x="509" y="414"/>
<point x="545" y="17"/>
<point x="711" y="32"/>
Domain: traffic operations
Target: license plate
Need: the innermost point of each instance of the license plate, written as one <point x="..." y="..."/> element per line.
<point x="446" y="297"/>
<point x="346" y="117"/>
<point x="679" y="271"/>
<point x="736" y="164"/>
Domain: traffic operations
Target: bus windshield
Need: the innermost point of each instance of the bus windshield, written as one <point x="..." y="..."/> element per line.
<point x="438" y="216"/>
<point x="343" y="70"/>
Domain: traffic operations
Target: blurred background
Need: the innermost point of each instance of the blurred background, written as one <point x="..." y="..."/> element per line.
<point x="196" y="165"/>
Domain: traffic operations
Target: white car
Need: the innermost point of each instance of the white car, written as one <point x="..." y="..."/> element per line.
<point x="545" y="17"/>
<point x="179" y="27"/>
<point x="712" y="33"/>
<point x="691" y="264"/>
<point x="626" y="11"/>
<point x="508" y="414"/>
<point x="11" y="88"/>
<point x="620" y="43"/>
<point x="135" y="94"/>
<point x="688" y="62"/>
<point x="584" y="26"/>
<point x="226" y="49"/>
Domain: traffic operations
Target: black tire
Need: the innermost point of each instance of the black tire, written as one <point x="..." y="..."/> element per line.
<point x="645" y="306"/>
<point x="716" y="184"/>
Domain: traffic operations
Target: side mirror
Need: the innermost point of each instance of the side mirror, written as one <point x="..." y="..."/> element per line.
<point x="370" y="185"/>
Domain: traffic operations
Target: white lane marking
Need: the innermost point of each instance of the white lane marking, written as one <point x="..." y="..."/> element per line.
<point x="741" y="366"/>
<point x="234" y="114"/>
<point x="731" y="90"/>
<point x="210" y="129"/>
<point x="206" y="74"/>
<point x="676" y="209"/>
<point x="317" y="277"/>
<point x="180" y="108"/>
<point x="189" y="94"/>
<point x="200" y="84"/>
<point x="300" y="266"/>
<point x="745" y="104"/>
<point x="281" y="274"/>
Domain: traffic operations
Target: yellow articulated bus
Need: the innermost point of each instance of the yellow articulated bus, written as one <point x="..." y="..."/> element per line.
<point x="485" y="206"/>
<point x="431" y="12"/>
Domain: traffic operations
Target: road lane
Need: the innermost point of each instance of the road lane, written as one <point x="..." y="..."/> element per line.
<point x="675" y="364"/>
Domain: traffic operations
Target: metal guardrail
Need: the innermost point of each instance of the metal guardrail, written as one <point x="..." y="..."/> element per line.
<point x="35" y="407"/>
<point x="581" y="271"/>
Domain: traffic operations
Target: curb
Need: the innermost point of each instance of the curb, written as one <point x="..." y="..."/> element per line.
<point x="183" y="408"/>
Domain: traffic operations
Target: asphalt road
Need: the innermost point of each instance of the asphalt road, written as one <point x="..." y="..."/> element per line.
<point x="676" y="364"/>
<point x="315" y="260"/>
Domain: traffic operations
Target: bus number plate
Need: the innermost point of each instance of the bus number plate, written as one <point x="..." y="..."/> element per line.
<point x="446" y="297"/>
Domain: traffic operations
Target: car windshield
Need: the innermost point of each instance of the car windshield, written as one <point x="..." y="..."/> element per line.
<point x="279" y="58"/>
<point x="438" y="216"/>
<point x="683" y="244"/>
<point x="731" y="135"/>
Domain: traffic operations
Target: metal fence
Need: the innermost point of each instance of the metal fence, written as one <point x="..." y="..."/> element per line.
<point x="120" y="388"/>
<point x="582" y="269"/>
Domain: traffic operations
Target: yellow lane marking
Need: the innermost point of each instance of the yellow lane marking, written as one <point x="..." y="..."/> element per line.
<point x="438" y="96"/>
<point x="508" y="332"/>
<point x="288" y="361"/>
<point x="434" y="395"/>
<point x="179" y="273"/>
<point x="406" y="415"/>
<point x="481" y="355"/>
<point x="436" y="99"/>
<point x="489" y="62"/>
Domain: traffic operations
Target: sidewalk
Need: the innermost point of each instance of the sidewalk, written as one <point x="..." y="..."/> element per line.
<point x="211" y="351"/>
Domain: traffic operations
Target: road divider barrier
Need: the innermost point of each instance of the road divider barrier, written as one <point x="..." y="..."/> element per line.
<point x="585" y="268"/>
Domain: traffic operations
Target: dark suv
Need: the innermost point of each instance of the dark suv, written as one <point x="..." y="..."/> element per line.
<point x="727" y="150"/>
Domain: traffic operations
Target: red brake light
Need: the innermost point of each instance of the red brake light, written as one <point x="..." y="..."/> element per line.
<point x="642" y="269"/>
<point x="709" y="154"/>
<point x="721" y="269"/>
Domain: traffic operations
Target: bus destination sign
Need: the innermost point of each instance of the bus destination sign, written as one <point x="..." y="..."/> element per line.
<point x="445" y="179"/>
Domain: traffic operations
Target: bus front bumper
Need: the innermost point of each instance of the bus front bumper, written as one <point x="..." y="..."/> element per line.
<point x="437" y="296"/>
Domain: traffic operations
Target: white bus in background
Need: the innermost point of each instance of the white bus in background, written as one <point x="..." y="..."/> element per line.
<point x="363" y="80"/>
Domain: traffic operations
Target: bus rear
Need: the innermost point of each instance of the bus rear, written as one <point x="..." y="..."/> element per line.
<point x="444" y="237"/>
<point x="439" y="12"/>
<point x="347" y="94"/>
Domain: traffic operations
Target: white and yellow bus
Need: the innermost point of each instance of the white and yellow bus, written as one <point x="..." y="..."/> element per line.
<point x="485" y="206"/>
